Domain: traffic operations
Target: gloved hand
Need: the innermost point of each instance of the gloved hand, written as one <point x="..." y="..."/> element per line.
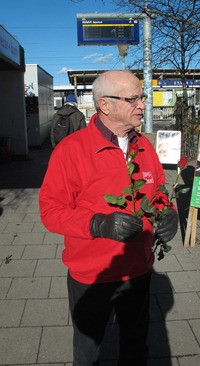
<point x="167" y="226"/>
<point x="117" y="226"/>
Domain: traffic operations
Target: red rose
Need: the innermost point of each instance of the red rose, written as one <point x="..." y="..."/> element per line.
<point x="134" y="150"/>
<point x="182" y="162"/>
<point x="161" y="201"/>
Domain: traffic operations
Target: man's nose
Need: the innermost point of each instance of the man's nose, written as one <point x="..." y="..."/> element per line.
<point x="141" y="104"/>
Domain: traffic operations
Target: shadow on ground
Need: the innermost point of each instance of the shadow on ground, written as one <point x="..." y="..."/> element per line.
<point x="158" y="342"/>
<point x="27" y="173"/>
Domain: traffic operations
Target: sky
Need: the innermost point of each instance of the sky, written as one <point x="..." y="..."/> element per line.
<point x="46" y="29"/>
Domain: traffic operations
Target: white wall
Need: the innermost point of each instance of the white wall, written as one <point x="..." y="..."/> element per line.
<point x="40" y="84"/>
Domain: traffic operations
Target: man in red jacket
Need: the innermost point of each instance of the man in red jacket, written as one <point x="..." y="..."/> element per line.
<point x="108" y="249"/>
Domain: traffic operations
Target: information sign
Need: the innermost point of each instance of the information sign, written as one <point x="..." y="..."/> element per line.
<point x="168" y="146"/>
<point x="195" y="198"/>
<point x="107" y="31"/>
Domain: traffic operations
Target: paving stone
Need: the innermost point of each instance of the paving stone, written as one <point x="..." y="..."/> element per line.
<point x="173" y="338"/>
<point x="45" y="312"/>
<point x="39" y="228"/>
<point x="39" y="251"/>
<point x="2" y="227"/>
<point x="10" y="208"/>
<point x="169" y="263"/>
<point x="160" y="283"/>
<point x="18" y="268"/>
<point x="46" y="364"/>
<point x="60" y="248"/>
<point x="177" y="238"/>
<point x="179" y="306"/>
<point x="195" y="325"/>
<point x="59" y="288"/>
<point x="51" y="238"/>
<point x="185" y="281"/>
<point x="50" y="267"/>
<point x="56" y="345"/>
<point x="19" y="345"/>
<point x="15" y="217"/>
<point x="189" y="261"/>
<point x="16" y="252"/>
<point x="11" y="312"/>
<point x="196" y="249"/>
<point x="4" y="286"/>
<point x="177" y="247"/>
<point x="189" y="361"/>
<point x="19" y="228"/>
<point x="163" y="362"/>
<point x="28" y="238"/>
<point x="32" y="217"/>
<point x="155" y="313"/>
<point x="6" y="239"/>
<point x="29" y="288"/>
<point x="28" y="209"/>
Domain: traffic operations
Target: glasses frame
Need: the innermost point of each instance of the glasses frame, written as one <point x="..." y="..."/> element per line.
<point x="131" y="101"/>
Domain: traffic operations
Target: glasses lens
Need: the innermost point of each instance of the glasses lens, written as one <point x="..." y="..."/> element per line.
<point x="143" y="98"/>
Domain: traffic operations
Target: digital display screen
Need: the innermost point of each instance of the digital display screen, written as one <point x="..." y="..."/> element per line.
<point x="107" y="31"/>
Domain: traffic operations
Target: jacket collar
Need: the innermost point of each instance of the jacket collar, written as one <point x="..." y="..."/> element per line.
<point x="106" y="138"/>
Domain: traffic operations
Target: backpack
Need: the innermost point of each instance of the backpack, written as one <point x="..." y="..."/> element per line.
<point x="61" y="127"/>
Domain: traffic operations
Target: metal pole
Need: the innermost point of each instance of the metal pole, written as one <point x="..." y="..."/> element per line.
<point x="147" y="54"/>
<point x="147" y="63"/>
<point x="123" y="62"/>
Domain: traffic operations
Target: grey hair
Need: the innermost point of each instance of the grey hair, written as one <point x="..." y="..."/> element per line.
<point x="104" y="85"/>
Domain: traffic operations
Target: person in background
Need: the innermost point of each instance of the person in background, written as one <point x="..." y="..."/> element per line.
<point x="66" y="120"/>
<point x="108" y="250"/>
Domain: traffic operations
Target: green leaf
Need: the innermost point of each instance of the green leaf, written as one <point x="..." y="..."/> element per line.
<point x="166" y="248"/>
<point x="110" y="198"/>
<point x="145" y="205"/>
<point x="131" y="155"/>
<point x="139" y="213"/>
<point x="152" y="219"/>
<point x="163" y="189"/>
<point x="165" y="211"/>
<point x="139" y="184"/>
<point x="183" y="190"/>
<point x="128" y="190"/>
<point x="131" y="168"/>
<point x="8" y="259"/>
<point x="121" y="200"/>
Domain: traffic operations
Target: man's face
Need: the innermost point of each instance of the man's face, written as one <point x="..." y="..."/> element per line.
<point x="126" y="114"/>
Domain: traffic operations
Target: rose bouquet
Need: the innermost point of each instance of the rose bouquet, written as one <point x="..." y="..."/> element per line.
<point x="157" y="207"/>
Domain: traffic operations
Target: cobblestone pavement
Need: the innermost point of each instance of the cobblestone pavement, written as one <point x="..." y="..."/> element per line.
<point x="35" y="324"/>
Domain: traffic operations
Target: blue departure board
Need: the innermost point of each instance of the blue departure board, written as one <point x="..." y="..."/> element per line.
<point x="107" y="31"/>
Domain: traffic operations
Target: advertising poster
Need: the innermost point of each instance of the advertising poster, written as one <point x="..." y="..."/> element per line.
<point x="168" y="146"/>
<point x="195" y="198"/>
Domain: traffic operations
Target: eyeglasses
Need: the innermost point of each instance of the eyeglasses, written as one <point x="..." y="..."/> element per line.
<point x="132" y="100"/>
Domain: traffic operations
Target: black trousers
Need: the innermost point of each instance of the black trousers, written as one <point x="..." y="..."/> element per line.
<point x="91" y="307"/>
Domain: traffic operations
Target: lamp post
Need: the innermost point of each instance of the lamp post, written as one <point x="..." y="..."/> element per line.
<point x="123" y="51"/>
<point x="147" y="68"/>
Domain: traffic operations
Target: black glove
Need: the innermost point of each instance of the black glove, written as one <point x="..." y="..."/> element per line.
<point x="117" y="226"/>
<point x="167" y="226"/>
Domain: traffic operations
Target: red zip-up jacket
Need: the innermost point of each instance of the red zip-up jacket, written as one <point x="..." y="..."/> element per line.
<point x="82" y="168"/>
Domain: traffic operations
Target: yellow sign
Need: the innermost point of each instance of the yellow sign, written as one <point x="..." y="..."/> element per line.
<point x="158" y="99"/>
<point x="154" y="82"/>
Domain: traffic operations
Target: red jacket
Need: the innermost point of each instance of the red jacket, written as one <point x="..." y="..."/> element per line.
<point x="82" y="168"/>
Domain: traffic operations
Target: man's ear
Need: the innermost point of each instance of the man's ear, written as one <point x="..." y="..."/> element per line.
<point x="104" y="106"/>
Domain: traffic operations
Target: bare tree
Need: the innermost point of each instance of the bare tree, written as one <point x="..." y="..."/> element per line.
<point x="176" y="45"/>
